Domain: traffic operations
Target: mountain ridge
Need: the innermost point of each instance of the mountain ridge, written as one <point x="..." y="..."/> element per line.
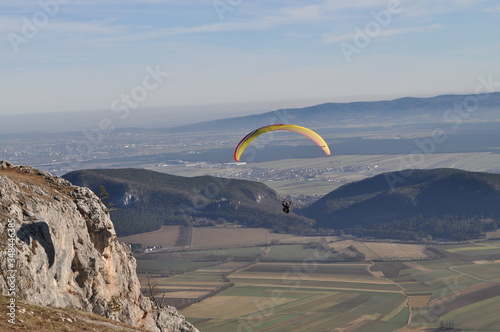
<point x="412" y="200"/>
<point x="146" y="200"/>
<point x="326" y="114"/>
<point x="411" y="203"/>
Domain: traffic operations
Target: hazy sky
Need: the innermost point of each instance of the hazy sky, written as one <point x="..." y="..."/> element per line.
<point x="66" y="55"/>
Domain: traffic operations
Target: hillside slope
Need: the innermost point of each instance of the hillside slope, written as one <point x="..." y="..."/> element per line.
<point x="440" y="202"/>
<point x="145" y="200"/>
<point x="32" y="317"/>
<point x="58" y="247"/>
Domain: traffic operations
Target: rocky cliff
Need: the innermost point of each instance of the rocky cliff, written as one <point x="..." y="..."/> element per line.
<point x="58" y="247"/>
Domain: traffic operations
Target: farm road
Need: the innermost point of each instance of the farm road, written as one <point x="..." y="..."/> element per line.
<point x="264" y="254"/>
<point x="403" y="290"/>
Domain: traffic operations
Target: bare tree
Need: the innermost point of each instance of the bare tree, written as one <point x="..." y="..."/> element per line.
<point x="151" y="289"/>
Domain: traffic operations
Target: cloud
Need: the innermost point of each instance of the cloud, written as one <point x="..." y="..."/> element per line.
<point x="261" y="19"/>
<point x="412" y="8"/>
<point x="494" y="11"/>
<point x="331" y="38"/>
<point x="339" y="5"/>
<point x="307" y="13"/>
<point x="101" y="27"/>
<point x="129" y="2"/>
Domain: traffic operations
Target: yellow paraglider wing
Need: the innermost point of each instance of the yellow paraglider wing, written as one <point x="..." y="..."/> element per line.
<point x="298" y="129"/>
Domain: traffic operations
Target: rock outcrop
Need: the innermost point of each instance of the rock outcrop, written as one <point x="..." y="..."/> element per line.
<point x="67" y="253"/>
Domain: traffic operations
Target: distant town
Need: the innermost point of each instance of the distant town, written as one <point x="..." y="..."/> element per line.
<point x="64" y="152"/>
<point x="272" y="174"/>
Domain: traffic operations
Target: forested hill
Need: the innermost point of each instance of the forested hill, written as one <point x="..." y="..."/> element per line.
<point x="144" y="200"/>
<point x="445" y="203"/>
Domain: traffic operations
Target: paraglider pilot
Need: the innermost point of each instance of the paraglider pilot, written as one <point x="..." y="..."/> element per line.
<point x="286" y="206"/>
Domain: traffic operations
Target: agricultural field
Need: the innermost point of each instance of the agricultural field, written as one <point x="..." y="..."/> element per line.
<point x="165" y="237"/>
<point x="216" y="237"/>
<point x="482" y="271"/>
<point x="185" y="288"/>
<point x="209" y="256"/>
<point x="384" y="251"/>
<point x="485" y="251"/>
<point x="456" y="292"/>
<point x="301" y="297"/>
<point x="300" y="252"/>
<point x="310" y="286"/>
<point x="477" y="315"/>
<point x="168" y="267"/>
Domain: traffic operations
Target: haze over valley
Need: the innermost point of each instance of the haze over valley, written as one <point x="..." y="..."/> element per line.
<point x="250" y="166"/>
<point x="366" y="138"/>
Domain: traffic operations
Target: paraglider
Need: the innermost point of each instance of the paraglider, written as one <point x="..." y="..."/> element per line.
<point x="298" y="129"/>
<point x="286" y="206"/>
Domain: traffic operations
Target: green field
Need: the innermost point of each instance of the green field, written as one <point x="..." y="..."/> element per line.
<point x="305" y="288"/>
<point x="490" y="272"/>
<point x="300" y="253"/>
<point x="300" y="297"/>
<point x="174" y="266"/>
<point x="467" y="316"/>
<point x="464" y="250"/>
<point x="302" y="305"/>
<point x="313" y="268"/>
<point x="248" y="253"/>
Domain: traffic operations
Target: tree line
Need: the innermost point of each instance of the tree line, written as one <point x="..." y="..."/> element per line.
<point x="420" y="228"/>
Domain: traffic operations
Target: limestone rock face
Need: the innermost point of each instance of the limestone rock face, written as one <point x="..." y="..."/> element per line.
<point x="67" y="253"/>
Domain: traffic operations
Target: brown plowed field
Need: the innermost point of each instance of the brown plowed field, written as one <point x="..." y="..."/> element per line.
<point x="165" y="237"/>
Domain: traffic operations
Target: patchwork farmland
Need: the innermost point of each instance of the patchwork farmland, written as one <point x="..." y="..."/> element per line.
<point x="311" y="286"/>
<point x="213" y="237"/>
<point x="300" y="297"/>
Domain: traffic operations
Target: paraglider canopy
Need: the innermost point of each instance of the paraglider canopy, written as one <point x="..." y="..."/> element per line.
<point x="298" y="129"/>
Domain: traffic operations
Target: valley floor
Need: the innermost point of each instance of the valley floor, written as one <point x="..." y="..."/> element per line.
<point x="306" y="286"/>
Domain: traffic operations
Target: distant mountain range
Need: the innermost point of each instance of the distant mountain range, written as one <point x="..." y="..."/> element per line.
<point x="400" y="110"/>
<point x="471" y="124"/>
<point x="145" y="200"/>
<point x="445" y="203"/>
